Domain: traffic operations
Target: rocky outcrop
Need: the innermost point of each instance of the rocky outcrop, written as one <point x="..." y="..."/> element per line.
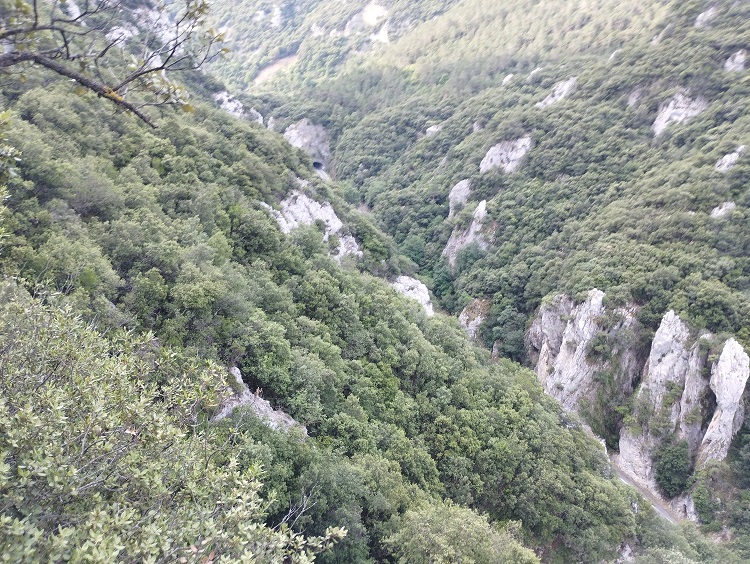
<point x="299" y="209"/>
<point x="370" y="16"/>
<point x="671" y="388"/>
<point x="736" y="63"/>
<point x="728" y="380"/>
<point x="433" y="130"/>
<point x="677" y="110"/>
<point x="232" y="105"/>
<point x="311" y="138"/>
<point x="727" y="162"/>
<point x="416" y="290"/>
<point x="473" y="235"/>
<point x="705" y="18"/>
<point x="239" y="395"/>
<point x="473" y="315"/>
<point x="559" y="91"/>
<point x="563" y="367"/>
<point x="506" y="155"/>
<point x="458" y="196"/>
<point x="723" y="210"/>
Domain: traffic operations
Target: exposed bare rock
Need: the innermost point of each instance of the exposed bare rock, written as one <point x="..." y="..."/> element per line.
<point x="684" y="506"/>
<point x="677" y="110"/>
<point x="559" y="342"/>
<point x="462" y="239"/>
<point x="433" y="130"/>
<point x="545" y="336"/>
<point x="724" y="209"/>
<point x="672" y="378"/>
<point x="705" y="18"/>
<point x="695" y="388"/>
<point x="458" y="196"/>
<point x="727" y="162"/>
<point x="416" y="290"/>
<point x="239" y="395"/>
<point x="559" y="91"/>
<point x="230" y="104"/>
<point x="533" y="74"/>
<point x="508" y="79"/>
<point x="473" y="315"/>
<point x="736" y="63"/>
<point x="299" y="209"/>
<point x="572" y="376"/>
<point x="506" y="155"/>
<point x="311" y="138"/>
<point x="729" y="377"/>
<point x="369" y="17"/>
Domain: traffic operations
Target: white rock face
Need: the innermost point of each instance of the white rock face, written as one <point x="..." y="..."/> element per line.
<point x="674" y="366"/>
<point x="255" y="116"/>
<point x="736" y="63"/>
<point x="506" y="155"/>
<point x="311" y="138"/>
<point x="728" y="380"/>
<point x="71" y="9"/>
<point x="416" y="290"/>
<point x="727" y="162"/>
<point x="559" y="91"/>
<point x="705" y="18"/>
<point x="545" y="336"/>
<point x="677" y="110"/>
<point x="462" y="239"/>
<point x="299" y="209"/>
<point x="458" y="196"/>
<point x="230" y="104"/>
<point x="508" y="79"/>
<point x="275" y="419"/>
<point x="433" y="130"/>
<point x="369" y="17"/>
<point x="723" y="210"/>
<point x="572" y="375"/>
<point x="473" y="315"/>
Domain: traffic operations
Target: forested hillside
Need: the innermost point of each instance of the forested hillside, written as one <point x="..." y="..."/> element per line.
<point x="145" y="269"/>
<point x="526" y="154"/>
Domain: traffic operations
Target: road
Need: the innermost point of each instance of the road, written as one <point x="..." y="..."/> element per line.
<point x="659" y="506"/>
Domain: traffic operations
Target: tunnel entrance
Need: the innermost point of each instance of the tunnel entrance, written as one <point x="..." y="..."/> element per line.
<point x="317" y="165"/>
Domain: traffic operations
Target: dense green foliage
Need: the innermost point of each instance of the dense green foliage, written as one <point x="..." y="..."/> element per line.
<point x="419" y="446"/>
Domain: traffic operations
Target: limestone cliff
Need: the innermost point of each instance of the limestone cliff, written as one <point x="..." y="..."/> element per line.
<point x="460" y="239"/>
<point x="561" y="338"/>
<point x="239" y="395"/>
<point x="311" y="138"/>
<point x="506" y="155"/>
<point x="300" y="209"/>
<point x="473" y="315"/>
<point x="728" y="380"/>
<point x="677" y="110"/>
<point x="458" y="196"/>
<point x="416" y="290"/>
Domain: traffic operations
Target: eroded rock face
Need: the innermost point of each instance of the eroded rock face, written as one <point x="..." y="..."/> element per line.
<point x="230" y="104"/>
<point x="705" y="18"/>
<point x="299" y="209"/>
<point x="506" y="155"/>
<point x="462" y="239"/>
<point x="458" y="196"/>
<point x="736" y="63"/>
<point x="559" y="91"/>
<point x="559" y="344"/>
<point x="729" y="377"/>
<point x="473" y="315"/>
<point x="723" y="210"/>
<point x="727" y="162"/>
<point x="311" y="138"/>
<point x="671" y="389"/>
<point x="677" y="110"/>
<point x="571" y="376"/>
<point x="241" y="396"/>
<point x="416" y="290"/>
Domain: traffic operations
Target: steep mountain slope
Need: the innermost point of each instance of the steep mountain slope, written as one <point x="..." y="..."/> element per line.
<point x="176" y="238"/>
<point x="522" y="154"/>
